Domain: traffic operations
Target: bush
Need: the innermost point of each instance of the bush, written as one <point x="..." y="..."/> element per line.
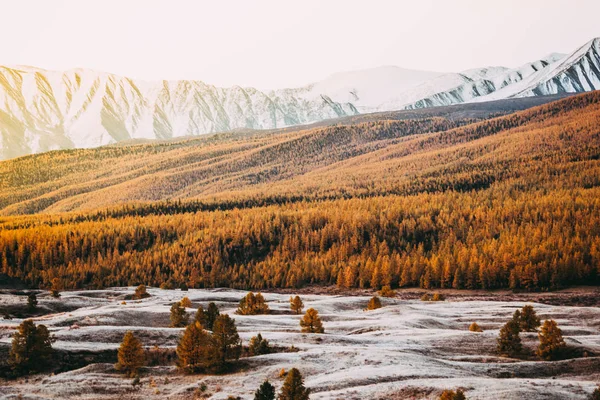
<point x="140" y="292"/>
<point x="253" y="304"/>
<point x="426" y="297"/>
<point x="387" y="291"/>
<point x="595" y="394"/>
<point x="552" y="343"/>
<point x="130" y="355"/>
<point x="311" y="323"/>
<point x="186" y="302"/>
<point x="453" y="395"/>
<point x="374" y="303"/>
<point x="475" y="328"/>
<point x="438" y="297"/>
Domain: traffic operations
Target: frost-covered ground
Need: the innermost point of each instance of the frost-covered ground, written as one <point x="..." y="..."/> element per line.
<point x="406" y="350"/>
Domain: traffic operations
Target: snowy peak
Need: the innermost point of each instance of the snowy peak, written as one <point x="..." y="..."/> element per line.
<point x="44" y="110"/>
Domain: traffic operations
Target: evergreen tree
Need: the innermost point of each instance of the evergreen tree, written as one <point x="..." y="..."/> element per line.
<point x="529" y="319"/>
<point x="311" y="323"/>
<point x="374" y="303"/>
<point x="31" y="348"/>
<point x="201" y="317"/>
<point x="56" y="287"/>
<point x="32" y="302"/>
<point x="509" y="341"/>
<point x="179" y="318"/>
<point x="387" y="291"/>
<point x="551" y="341"/>
<point x="211" y="315"/>
<point x="258" y="346"/>
<point x="293" y="387"/>
<point x="130" y="355"/>
<point x="296" y="304"/>
<point x="266" y="391"/>
<point x="226" y="342"/>
<point x="252" y="304"/>
<point x="194" y="350"/>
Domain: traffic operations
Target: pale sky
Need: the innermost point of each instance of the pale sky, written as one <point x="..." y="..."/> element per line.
<point x="285" y="43"/>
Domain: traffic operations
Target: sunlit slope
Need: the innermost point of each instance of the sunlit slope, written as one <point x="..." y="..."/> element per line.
<point x="366" y="157"/>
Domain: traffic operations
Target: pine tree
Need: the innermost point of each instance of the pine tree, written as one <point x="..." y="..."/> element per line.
<point x="252" y="304"/>
<point x="293" y="387"/>
<point x="296" y="304"/>
<point x="130" y="355"/>
<point x="31" y="348"/>
<point x="201" y="317"/>
<point x="194" y="349"/>
<point x="258" y="346"/>
<point x="211" y="315"/>
<point x="226" y="342"/>
<point x="529" y="320"/>
<point x="179" y="318"/>
<point x="266" y="391"/>
<point x="32" y="302"/>
<point x="509" y="341"/>
<point x="56" y="287"/>
<point x="374" y="303"/>
<point x="551" y="341"/>
<point x="311" y="323"/>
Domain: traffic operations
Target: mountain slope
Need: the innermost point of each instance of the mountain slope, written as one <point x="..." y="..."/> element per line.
<point x="385" y="154"/>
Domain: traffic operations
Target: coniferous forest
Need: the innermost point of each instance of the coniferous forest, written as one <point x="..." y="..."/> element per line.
<point x="499" y="202"/>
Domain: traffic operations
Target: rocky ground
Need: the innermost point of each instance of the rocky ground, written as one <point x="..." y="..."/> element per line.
<point x="408" y="349"/>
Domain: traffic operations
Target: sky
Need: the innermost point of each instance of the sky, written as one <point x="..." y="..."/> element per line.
<point x="287" y="43"/>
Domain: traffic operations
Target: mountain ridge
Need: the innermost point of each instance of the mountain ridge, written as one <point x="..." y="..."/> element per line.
<point x="43" y="110"/>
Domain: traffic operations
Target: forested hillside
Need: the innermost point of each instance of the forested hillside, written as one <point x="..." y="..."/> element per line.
<point x="512" y="201"/>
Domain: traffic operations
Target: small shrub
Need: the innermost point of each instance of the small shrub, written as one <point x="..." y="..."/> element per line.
<point x="374" y="303"/>
<point x="453" y="395"/>
<point x="438" y="297"/>
<point x="387" y="291"/>
<point x="282" y="373"/>
<point x="475" y="328"/>
<point x="186" y="302"/>
<point x="140" y="292"/>
<point x="426" y="297"/>
<point x="259" y="346"/>
<point x="595" y="394"/>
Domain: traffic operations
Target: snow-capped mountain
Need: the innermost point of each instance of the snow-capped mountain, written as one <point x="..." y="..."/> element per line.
<point x="44" y="110"/>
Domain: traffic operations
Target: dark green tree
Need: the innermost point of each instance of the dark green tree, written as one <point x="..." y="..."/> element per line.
<point x="32" y="302"/>
<point x="31" y="348"/>
<point x="211" y="315"/>
<point x="258" y="346"/>
<point x="509" y="341"/>
<point x="266" y="391"/>
<point x="226" y="342"/>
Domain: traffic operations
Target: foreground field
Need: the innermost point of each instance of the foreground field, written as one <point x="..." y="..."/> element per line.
<point x="407" y="349"/>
